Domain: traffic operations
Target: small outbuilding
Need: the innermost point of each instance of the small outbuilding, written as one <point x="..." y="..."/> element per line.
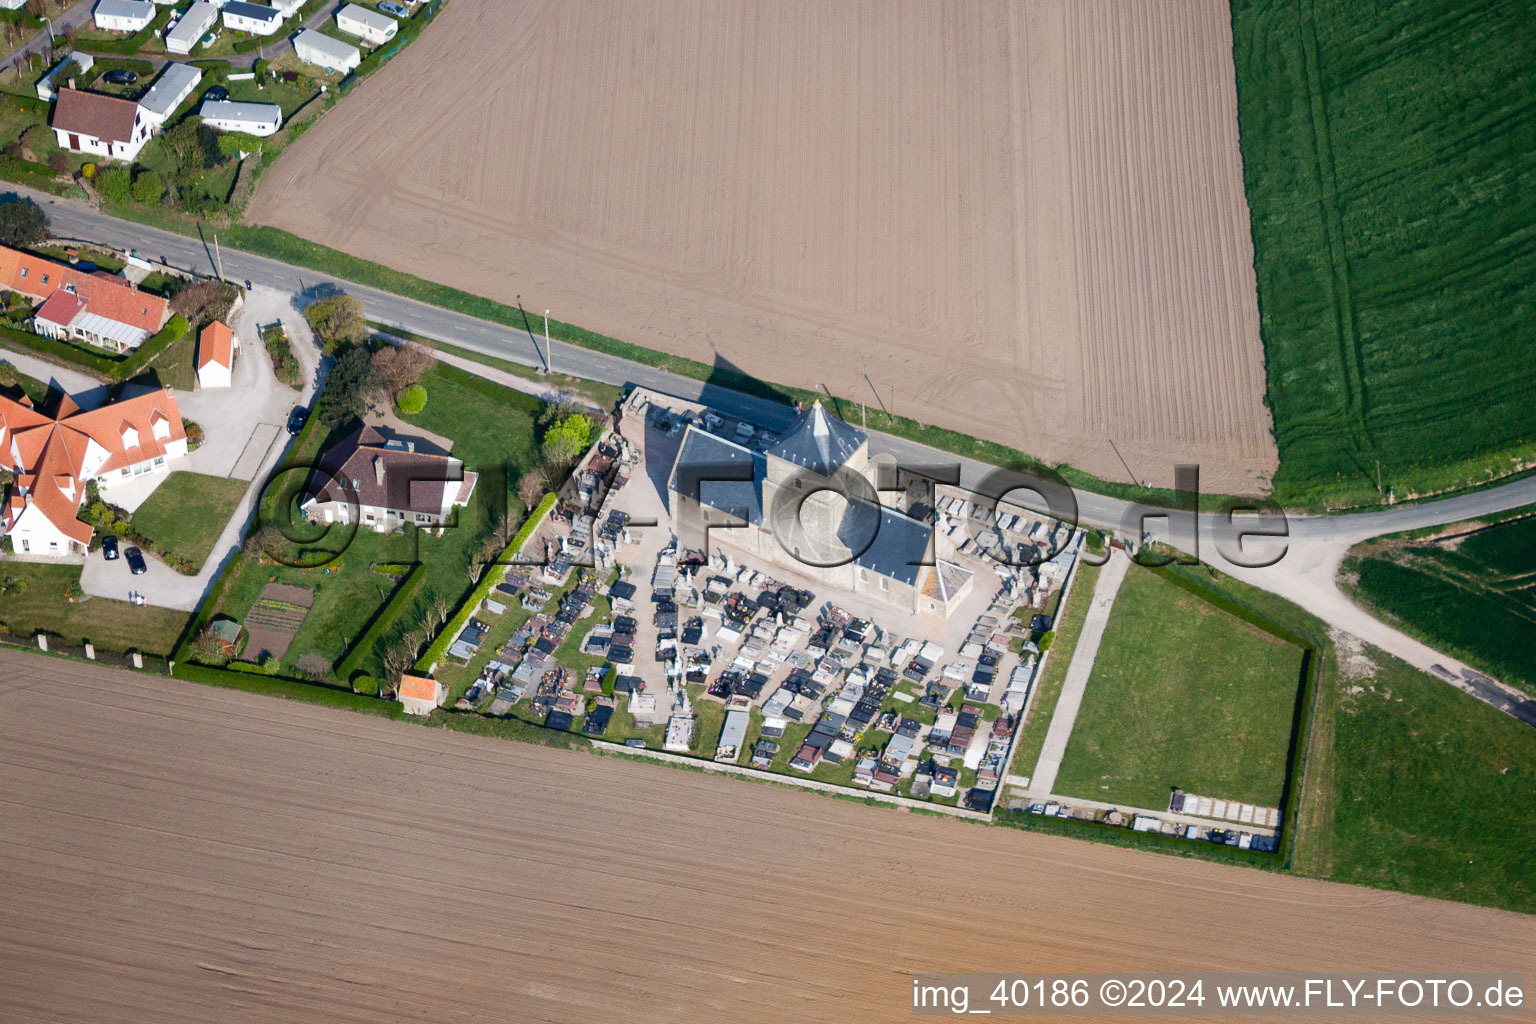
<point x="257" y="19"/>
<point x="123" y="15"/>
<point x="259" y="119"/>
<point x="321" y="50"/>
<point x="420" y="695"/>
<point x="216" y="356"/>
<point x="366" y="24"/>
<point x="194" y="24"/>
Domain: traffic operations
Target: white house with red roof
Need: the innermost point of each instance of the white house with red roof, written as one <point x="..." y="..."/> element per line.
<point x="216" y="348"/>
<point x="54" y="454"/>
<point x="93" y="122"/>
<point x="98" y="308"/>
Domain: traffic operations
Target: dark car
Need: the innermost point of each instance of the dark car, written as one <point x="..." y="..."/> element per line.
<point x="117" y="76"/>
<point x="136" y="562"/>
<point x="296" y="419"/>
<point x="218" y="94"/>
<point x="109" y="548"/>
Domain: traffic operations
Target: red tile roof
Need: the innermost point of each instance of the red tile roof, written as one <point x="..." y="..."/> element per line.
<point x="104" y="294"/>
<point x="215" y="345"/>
<point x="99" y="116"/>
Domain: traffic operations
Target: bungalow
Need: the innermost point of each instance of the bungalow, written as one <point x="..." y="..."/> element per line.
<point x="240" y="16"/>
<point x="89" y="122"/>
<point x="321" y="50"/>
<point x="99" y="308"/>
<point x="216" y="348"/>
<point x="123" y="15"/>
<point x="193" y="26"/>
<point x="386" y="483"/>
<point x="420" y="695"/>
<point x="173" y="86"/>
<point x="368" y="25"/>
<point x="53" y="454"/>
<point x="259" y="119"/>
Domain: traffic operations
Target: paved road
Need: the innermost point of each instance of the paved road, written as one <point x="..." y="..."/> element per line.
<point x="45" y="43"/>
<point x="1305" y="574"/>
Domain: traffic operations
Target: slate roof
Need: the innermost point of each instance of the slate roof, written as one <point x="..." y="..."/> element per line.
<point x="389" y="478"/>
<point x="900" y="545"/>
<point x="818" y="441"/>
<point x="705" y="466"/>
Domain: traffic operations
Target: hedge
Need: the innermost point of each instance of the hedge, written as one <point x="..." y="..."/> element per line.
<point x="130" y="46"/>
<point x="404" y="594"/>
<point x="174" y="330"/>
<point x="439" y="647"/>
<point x="290" y="689"/>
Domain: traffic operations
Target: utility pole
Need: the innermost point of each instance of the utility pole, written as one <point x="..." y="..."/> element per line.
<point x="218" y="257"/>
<point x="1378" y="476"/>
<point x="49" y="21"/>
<point x="549" y="353"/>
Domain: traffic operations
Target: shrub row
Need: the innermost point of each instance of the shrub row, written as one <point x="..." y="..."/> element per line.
<point x="111" y="367"/>
<point x="439" y="647"/>
<point x="386" y="617"/>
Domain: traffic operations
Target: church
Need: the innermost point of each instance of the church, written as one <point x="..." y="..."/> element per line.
<point x="809" y="503"/>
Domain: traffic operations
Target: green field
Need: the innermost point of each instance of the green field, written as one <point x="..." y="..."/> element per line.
<point x="1386" y="151"/>
<point x="1414" y="785"/>
<point x="44" y="605"/>
<point x="1048" y="686"/>
<point x="1470" y="591"/>
<point x="1182" y="695"/>
<point x="185" y="514"/>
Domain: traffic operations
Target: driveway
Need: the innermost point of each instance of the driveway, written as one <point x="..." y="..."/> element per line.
<point x="244" y="427"/>
<point x="84" y="388"/>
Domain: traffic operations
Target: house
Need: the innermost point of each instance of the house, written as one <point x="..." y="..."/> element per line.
<point x="420" y="695"/>
<point x="173" y="86"/>
<point x="260" y="119"/>
<point x="288" y="7"/>
<point x="99" y="308"/>
<point x="193" y="26"/>
<point x="53" y="454"/>
<point x="89" y="122"/>
<point x="368" y="25"/>
<point x="75" y="63"/>
<point x="257" y="19"/>
<point x="386" y="483"/>
<point x="319" y="49"/>
<point x="123" y="15"/>
<point x="216" y="348"/>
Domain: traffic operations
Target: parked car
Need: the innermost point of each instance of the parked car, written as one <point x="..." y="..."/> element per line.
<point x="109" y="548"/>
<point x="296" y="419"/>
<point x="119" y="76"/>
<point x="393" y="9"/>
<point x="136" y="563"/>
<point x="218" y="94"/>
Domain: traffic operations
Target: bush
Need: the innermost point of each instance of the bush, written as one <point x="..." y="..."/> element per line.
<point x="1046" y="641"/>
<point x="337" y="320"/>
<point x="147" y="187"/>
<point x="22" y="223"/>
<point x="412" y="400"/>
<point x="114" y="184"/>
<point x="88" y="170"/>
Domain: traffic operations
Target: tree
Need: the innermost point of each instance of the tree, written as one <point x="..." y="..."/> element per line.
<point x="350" y="388"/>
<point x="9" y="377"/>
<point x="202" y="301"/>
<point x="22" y="223"/>
<point x="530" y="488"/>
<point x="147" y="187"/>
<point x="115" y="185"/>
<point x="566" y="440"/>
<point x="412" y="400"/>
<point x="400" y="366"/>
<point x="208" y="650"/>
<point x="194" y="144"/>
<point x="337" y="320"/>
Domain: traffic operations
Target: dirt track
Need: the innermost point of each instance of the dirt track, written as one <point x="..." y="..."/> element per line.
<point x="1027" y="218"/>
<point x="177" y="853"/>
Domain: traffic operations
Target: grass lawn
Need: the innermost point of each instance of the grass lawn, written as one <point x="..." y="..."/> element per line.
<point x="1469" y="591"/>
<point x="1182" y="694"/>
<point x="185" y="514"/>
<point x="1392" y="221"/>
<point x="494" y="433"/>
<point x="1418" y="788"/>
<point x="43" y="605"/>
<point x="1048" y="687"/>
